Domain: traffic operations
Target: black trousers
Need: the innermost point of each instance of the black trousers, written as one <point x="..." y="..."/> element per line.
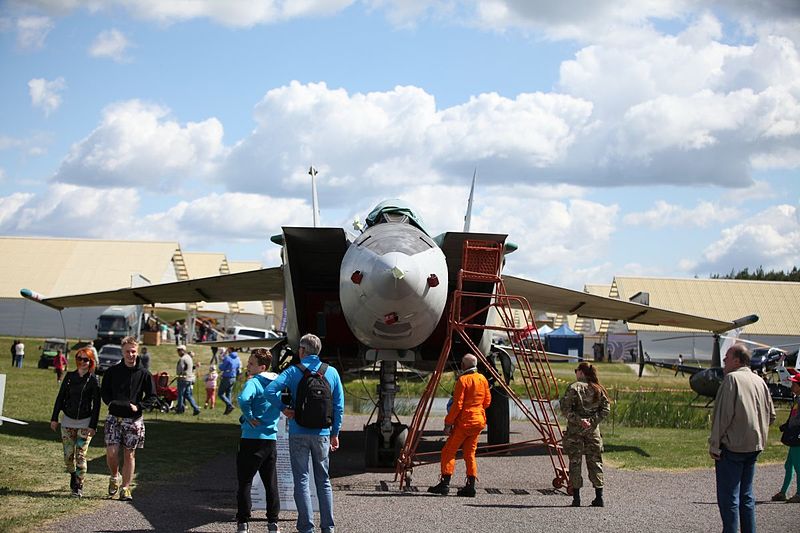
<point x="257" y="455"/>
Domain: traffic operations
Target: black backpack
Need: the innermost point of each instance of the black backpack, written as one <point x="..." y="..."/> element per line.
<point x="313" y="404"/>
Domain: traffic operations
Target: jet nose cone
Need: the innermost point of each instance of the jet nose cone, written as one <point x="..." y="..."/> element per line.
<point x="397" y="276"/>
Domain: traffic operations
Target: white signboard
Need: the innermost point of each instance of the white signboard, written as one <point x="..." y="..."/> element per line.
<point x="285" y="481"/>
<point x="2" y="395"/>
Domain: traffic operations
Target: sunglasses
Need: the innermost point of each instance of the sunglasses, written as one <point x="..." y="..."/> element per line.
<point x="82" y="359"/>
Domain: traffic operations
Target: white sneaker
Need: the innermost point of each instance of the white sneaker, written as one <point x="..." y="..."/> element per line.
<point x="113" y="484"/>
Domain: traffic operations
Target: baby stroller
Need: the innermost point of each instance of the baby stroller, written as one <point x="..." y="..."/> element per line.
<point x="166" y="395"/>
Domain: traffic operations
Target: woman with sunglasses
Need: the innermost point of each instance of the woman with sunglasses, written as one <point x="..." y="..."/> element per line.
<point x="585" y="404"/>
<point x="79" y="400"/>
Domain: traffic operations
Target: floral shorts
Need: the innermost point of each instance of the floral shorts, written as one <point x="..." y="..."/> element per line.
<point x="126" y="431"/>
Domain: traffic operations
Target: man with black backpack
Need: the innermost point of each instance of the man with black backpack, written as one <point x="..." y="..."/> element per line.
<point x="315" y="417"/>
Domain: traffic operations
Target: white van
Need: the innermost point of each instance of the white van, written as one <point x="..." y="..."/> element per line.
<point x="240" y="333"/>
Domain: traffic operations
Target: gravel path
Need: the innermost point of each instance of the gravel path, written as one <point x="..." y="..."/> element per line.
<point x="514" y="495"/>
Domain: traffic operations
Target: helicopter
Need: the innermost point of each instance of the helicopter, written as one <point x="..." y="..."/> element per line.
<point x="706" y="381"/>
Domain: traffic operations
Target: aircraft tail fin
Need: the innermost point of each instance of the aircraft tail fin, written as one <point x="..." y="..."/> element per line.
<point x="468" y="215"/>
<point x="314" y="202"/>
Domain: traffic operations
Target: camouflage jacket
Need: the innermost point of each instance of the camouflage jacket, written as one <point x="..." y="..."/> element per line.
<point x="582" y="401"/>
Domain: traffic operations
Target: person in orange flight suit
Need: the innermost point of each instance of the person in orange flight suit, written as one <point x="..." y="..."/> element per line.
<point x="464" y="422"/>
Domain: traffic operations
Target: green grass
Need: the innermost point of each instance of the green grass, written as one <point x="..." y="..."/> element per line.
<point x="671" y="449"/>
<point x="33" y="485"/>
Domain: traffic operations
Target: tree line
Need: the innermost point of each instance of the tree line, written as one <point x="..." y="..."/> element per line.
<point x="759" y="275"/>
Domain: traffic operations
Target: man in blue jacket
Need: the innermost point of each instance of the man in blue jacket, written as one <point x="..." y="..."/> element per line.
<point x="310" y="444"/>
<point x="257" y="447"/>
<point x="229" y="368"/>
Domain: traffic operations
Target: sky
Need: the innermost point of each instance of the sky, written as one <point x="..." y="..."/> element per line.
<point x="624" y="137"/>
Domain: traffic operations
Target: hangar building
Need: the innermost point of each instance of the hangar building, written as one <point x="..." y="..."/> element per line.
<point x="58" y="267"/>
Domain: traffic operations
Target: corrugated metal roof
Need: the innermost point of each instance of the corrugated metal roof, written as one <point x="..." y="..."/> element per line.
<point x="264" y="307"/>
<point x="205" y="264"/>
<point x="599" y="290"/>
<point x="56" y="267"/>
<point x="243" y="266"/>
<point x="775" y="302"/>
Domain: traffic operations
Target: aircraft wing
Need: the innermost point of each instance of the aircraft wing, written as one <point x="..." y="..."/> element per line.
<point x="264" y="284"/>
<point x="561" y="300"/>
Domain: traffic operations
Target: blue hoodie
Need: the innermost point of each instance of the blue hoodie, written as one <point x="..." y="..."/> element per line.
<point x="253" y="403"/>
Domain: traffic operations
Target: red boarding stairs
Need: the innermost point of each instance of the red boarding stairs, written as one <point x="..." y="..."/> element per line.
<point x="470" y="311"/>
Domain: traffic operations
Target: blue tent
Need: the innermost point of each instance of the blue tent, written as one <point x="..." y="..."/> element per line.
<point x="564" y="339"/>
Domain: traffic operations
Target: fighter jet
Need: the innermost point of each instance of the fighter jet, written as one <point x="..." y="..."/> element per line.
<point x="379" y="296"/>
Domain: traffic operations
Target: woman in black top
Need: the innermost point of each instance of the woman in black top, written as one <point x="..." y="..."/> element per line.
<point x="79" y="400"/>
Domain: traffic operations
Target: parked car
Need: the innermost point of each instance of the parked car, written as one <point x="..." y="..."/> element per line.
<point x="50" y="349"/>
<point x="239" y="333"/>
<point x="109" y="355"/>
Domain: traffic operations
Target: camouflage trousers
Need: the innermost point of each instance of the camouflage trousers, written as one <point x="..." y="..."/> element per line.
<point x="590" y="445"/>
<point x="76" y="442"/>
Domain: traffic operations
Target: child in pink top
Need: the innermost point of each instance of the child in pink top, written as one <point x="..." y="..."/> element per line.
<point x="211" y="387"/>
<point x="60" y="364"/>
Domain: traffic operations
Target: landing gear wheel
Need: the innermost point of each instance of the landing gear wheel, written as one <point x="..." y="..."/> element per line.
<point x="376" y="455"/>
<point x="497" y="418"/>
<point x="43" y="363"/>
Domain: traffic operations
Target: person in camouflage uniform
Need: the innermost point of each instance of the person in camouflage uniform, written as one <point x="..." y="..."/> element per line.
<point x="585" y="404"/>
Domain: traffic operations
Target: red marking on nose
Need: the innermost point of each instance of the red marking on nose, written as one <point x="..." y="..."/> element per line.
<point x="390" y="318"/>
<point x="356" y="277"/>
<point x="433" y="280"/>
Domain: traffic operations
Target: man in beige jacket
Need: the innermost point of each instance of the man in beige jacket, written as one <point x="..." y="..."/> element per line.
<point x="743" y="411"/>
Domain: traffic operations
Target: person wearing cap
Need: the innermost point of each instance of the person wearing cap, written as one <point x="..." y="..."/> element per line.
<point x="464" y="422"/>
<point x="79" y="400"/>
<point x="743" y="411"/>
<point x="185" y="372"/>
<point x="791" y="437"/>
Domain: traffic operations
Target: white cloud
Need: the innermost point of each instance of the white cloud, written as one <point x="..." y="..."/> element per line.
<point x="33" y="146"/>
<point x="69" y="211"/>
<point x="664" y="214"/>
<point x="375" y="139"/>
<point x="65" y="210"/>
<point x="32" y="32"/>
<point x="567" y="19"/>
<point x="770" y="239"/>
<point x="555" y="238"/>
<point x="7" y="142"/>
<point x="137" y="144"/>
<point x="759" y="190"/>
<point x="110" y="43"/>
<point x="229" y="217"/>
<point x="237" y="13"/>
<point x="46" y="94"/>
<point x="686" y="109"/>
